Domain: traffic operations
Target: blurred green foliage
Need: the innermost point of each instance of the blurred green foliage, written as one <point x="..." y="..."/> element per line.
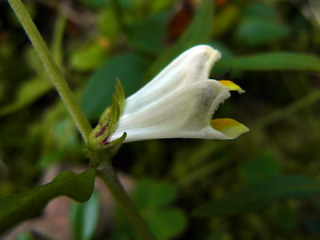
<point x="154" y="201"/>
<point x="129" y="68"/>
<point x="270" y="48"/>
<point x="260" y="25"/>
<point x="84" y="217"/>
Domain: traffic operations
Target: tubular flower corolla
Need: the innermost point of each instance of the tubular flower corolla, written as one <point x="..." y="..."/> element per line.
<point x="180" y="102"/>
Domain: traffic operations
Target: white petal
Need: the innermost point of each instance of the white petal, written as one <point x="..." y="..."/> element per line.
<point x="185" y="113"/>
<point x="191" y="66"/>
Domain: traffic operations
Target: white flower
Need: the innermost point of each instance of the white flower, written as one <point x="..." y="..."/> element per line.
<point x="180" y="102"/>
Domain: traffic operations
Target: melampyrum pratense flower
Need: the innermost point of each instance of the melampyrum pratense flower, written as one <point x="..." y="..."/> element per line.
<point x="178" y="103"/>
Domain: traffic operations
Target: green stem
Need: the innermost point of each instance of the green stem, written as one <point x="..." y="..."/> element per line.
<point x="110" y="178"/>
<point x="52" y="69"/>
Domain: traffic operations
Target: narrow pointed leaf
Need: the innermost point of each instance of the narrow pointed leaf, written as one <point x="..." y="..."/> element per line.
<point x="27" y="94"/>
<point x="17" y="208"/>
<point x="260" y="195"/>
<point x="272" y="61"/>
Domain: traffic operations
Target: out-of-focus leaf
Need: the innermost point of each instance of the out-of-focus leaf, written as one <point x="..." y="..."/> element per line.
<point x="272" y="61"/>
<point x="51" y="158"/>
<point x="167" y="223"/>
<point x="219" y="235"/>
<point x="108" y="23"/>
<point x="127" y="4"/>
<point x="284" y="216"/>
<point x="57" y="41"/>
<point x="159" y="193"/>
<point x="222" y="72"/>
<point x="17" y="208"/>
<point x="198" y="32"/>
<point x="30" y="91"/>
<point x="129" y="68"/>
<point x="158" y="6"/>
<point x="2" y="95"/>
<point x="84" y="218"/>
<point x="223" y="49"/>
<point x="89" y="58"/>
<point x="65" y="134"/>
<point x="153" y="200"/>
<point x="259" y="10"/>
<point x="25" y="236"/>
<point x="225" y="20"/>
<point x="61" y="140"/>
<point x="256" y="31"/>
<point x="259" y="195"/>
<point x="96" y="3"/>
<point x="149" y="35"/>
<point x="259" y="169"/>
<point x="38" y="86"/>
<point x="260" y="25"/>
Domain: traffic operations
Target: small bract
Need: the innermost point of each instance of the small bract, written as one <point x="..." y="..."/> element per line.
<point x="180" y="102"/>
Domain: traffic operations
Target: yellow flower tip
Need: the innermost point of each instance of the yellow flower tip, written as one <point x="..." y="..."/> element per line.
<point x="232" y="86"/>
<point x="229" y="127"/>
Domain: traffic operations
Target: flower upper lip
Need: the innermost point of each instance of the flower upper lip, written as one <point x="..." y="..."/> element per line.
<point x="198" y="61"/>
<point x="179" y="102"/>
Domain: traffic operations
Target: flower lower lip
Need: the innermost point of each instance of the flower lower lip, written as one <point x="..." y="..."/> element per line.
<point x="229" y="127"/>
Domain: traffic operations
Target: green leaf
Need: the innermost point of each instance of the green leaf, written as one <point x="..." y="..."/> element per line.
<point x="225" y="20"/>
<point x="17" y="208"/>
<point x="159" y="193"/>
<point x="88" y="58"/>
<point x="148" y="36"/>
<point x="259" y="169"/>
<point x="154" y="201"/>
<point x="61" y="140"/>
<point x="129" y="68"/>
<point x="198" y="32"/>
<point x="167" y="223"/>
<point x="112" y="29"/>
<point x="253" y="32"/>
<point x="259" y="10"/>
<point x="283" y="216"/>
<point x="84" y="218"/>
<point x="96" y="3"/>
<point x="259" y="195"/>
<point x="30" y="91"/>
<point x="57" y="40"/>
<point x="51" y="158"/>
<point x="260" y="25"/>
<point x="271" y="62"/>
<point x="36" y="87"/>
<point x="222" y="48"/>
<point x="25" y="236"/>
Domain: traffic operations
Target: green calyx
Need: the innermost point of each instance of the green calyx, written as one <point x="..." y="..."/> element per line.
<point x="100" y="135"/>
